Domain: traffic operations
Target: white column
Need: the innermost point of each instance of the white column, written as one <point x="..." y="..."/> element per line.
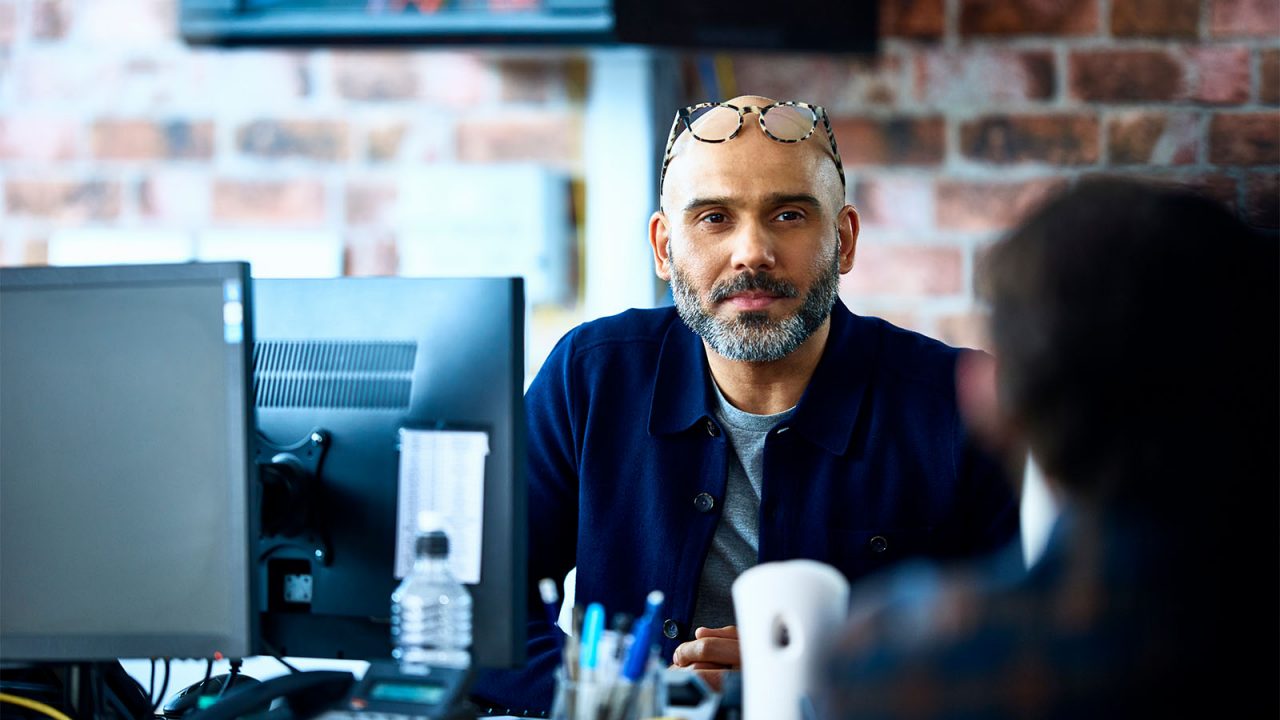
<point x="621" y="168"/>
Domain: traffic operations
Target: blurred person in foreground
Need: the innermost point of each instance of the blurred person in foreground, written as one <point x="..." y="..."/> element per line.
<point x="1135" y="336"/>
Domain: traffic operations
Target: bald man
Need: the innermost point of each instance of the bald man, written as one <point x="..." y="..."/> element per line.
<point x="757" y="420"/>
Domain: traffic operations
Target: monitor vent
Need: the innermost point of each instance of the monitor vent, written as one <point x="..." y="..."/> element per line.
<point x="333" y="374"/>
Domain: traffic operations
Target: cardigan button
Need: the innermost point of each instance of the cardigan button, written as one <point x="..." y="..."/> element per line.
<point x="703" y="502"/>
<point x="878" y="544"/>
<point x="712" y="430"/>
<point x="671" y="628"/>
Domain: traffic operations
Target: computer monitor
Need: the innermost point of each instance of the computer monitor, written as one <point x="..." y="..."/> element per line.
<point x="342" y="367"/>
<point x="125" y="424"/>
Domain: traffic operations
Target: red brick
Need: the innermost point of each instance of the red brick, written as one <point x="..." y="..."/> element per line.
<point x="148" y="140"/>
<point x="363" y="75"/>
<point x="912" y="270"/>
<point x="1057" y="139"/>
<point x="282" y="202"/>
<point x="457" y="80"/>
<point x="371" y="252"/>
<point x="384" y="142"/>
<point x="1236" y="18"/>
<point x="1262" y="199"/>
<point x="8" y="21"/>
<point x="1224" y="76"/>
<point x="1152" y="138"/>
<point x="324" y="140"/>
<point x="550" y="137"/>
<point x="1155" y="18"/>
<point x="784" y="77"/>
<point x="1215" y="186"/>
<point x="371" y="202"/>
<point x="896" y="141"/>
<point x="1269" y="77"/>
<point x="919" y="19"/>
<point x="18" y="249"/>
<point x="972" y="205"/>
<point x="1245" y="139"/>
<point x="532" y="80"/>
<point x="899" y="202"/>
<point x="967" y="330"/>
<point x="50" y="19"/>
<point x="862" y="82"/>
<point x="178" y="196"/>
<point x="1126" y="75"/>
<point x="839" y="84"/>
<point x="44" y="139"/>
<point x="969" y="78"/>
<point x="1028" y="17"/>
<point x="63" y="199"/>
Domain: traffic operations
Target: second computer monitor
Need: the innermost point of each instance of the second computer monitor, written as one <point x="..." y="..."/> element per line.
<point x="355" y="378"/>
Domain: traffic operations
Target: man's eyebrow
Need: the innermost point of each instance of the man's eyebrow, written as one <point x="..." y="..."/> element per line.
<point x="773" y="199"/>
<point x="794" y="199"/>
<point x="698" y="203"/>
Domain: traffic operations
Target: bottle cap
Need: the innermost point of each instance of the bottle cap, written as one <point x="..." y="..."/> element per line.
<point x="434" y="543"/>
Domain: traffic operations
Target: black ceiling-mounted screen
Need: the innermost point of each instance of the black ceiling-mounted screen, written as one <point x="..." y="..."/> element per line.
<point x="833" y="26"/>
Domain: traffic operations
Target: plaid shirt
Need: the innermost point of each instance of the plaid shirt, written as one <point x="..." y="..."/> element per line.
<point x="1119" y="619"/>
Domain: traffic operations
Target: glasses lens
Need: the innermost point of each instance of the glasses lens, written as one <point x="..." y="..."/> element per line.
<point x="789" y="122"/>
<point x="714" y="123"/>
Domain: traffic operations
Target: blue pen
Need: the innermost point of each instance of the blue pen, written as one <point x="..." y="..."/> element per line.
<point x="623" y="695"/>
<point x="592" y="628"/>
<point x="642" y="638"/>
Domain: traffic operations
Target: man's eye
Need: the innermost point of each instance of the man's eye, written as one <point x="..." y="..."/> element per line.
<point x="714" y="218"/>
<point x="789" y="216"/>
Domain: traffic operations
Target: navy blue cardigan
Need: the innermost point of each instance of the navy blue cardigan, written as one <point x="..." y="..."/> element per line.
<point x="872" y="467"/>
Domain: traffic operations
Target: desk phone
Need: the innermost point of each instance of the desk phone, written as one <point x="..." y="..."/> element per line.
<point x="388" y="693"/>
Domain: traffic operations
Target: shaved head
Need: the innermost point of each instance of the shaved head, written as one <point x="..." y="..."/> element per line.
<point x="687" y="151"/>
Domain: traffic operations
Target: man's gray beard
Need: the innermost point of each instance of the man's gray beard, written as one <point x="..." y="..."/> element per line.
<point x="753" y="336"/>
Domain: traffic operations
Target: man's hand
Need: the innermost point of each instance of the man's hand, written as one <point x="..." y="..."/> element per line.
<point x="710" y="653"/>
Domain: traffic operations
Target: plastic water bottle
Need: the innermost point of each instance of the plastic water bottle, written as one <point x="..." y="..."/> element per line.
<point x="431" y="610"/>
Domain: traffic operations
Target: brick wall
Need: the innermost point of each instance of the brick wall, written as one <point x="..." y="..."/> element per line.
<point x="973" y="111"/>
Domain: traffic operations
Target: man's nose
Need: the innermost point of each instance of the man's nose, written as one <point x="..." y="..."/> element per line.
<point x="752" y="248"/>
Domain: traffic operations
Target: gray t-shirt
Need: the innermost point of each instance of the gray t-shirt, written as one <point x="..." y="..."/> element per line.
<point x="735" y="546"/>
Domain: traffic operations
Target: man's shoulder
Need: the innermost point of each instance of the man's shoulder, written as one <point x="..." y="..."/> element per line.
<point x="909" y="354"/>
<point x="630" y="328"/>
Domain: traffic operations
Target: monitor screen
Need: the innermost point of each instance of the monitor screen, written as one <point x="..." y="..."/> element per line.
<point x="125" y="423"/>
<point x="358" y="382"/>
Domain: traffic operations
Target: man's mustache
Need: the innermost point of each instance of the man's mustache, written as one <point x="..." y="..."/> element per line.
<point x="748" y="281"/>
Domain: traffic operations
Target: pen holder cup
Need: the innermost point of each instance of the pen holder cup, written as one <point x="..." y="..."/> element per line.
<point x="609" y="698"/>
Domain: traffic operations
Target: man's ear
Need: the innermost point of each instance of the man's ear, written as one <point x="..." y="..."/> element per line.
<point x="660" y="242"/>
<point x="847" y="225"/>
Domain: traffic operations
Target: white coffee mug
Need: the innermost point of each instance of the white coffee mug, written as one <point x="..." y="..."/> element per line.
<point x="786" y="612"/>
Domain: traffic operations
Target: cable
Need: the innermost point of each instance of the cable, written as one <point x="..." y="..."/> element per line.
<point x="39" y="707"/>
<point x="231" y="677"/>
<point x="151" y="685"/>
<point x="285" y="663"/>
<point x="164" y="687"/>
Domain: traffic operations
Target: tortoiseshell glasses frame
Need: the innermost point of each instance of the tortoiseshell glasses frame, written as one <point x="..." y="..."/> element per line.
<point x="689" y="116"/>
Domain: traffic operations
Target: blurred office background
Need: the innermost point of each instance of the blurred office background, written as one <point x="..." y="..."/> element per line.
<point x="121" y="142"/>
